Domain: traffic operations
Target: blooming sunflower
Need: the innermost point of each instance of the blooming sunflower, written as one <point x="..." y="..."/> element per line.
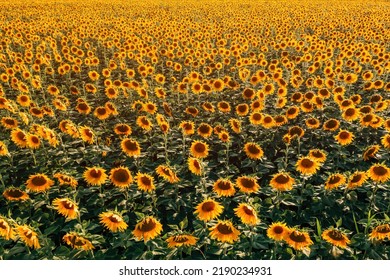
<point x="95" y="176"/>
<point x="19" y="137"/>
<point x="145" y="182"/>
<point x="242" y="109"/>
<point x="255" y="118"/>
<point x="9" y="123"/>
<point x="385" y="140"/>
<point x="3" y="149"/>
<point x="307" y="166"/>
<point x="277" y="231"/>
<point x="15" y="194"/>
<point x="87" y="134"/>
<point x="167" y="173"/>
<point x="28" y="236"/>
<point x="351" y="114"/>
<point x="235" y="125"/>
<point x="101" y="113"/>
<point x="66" y="208"/>
<point x="335" y="237"/>
<point x="224" y="107"/>
<point x="33" y="141"/>
<point x="344" y="137"/>
<point x="247" y="184"/>
<point x="247" y="214"/>
<point x="181" y="240"/>
<point x="253" y="151"/>
<point x="148" y="228"/>
<point x="195" y="166"/>
<point x="187" y="127"/>
<point x="6" y="230"/>
<point x="370" y="152"/>
<point x="380" y="232"/>
<point x="208" y="209"/>
<point x="334" y="181"/>
<point x="199" y="149"/>
<point x="121" y="177"/>
<point x="122" y="129"/>
<point x="312" y="123"/>
<point x="224" y="231"/>
<point x="144" y="123"/>
<point x="205" y="130"/>
<point x="317" y="155"/>
<point x="112" y="221"/>
<point x="66" y="180"/>
<point x="130" y="147"/>
<point x="224" y="187"/>
<point x="379" y="172"/>
<point x="356" y="179"/>
<point x="76" y="241"/>
<point x="39" y="183"/>
<point x="282" y="181"/>
<point x="298" y="240"/>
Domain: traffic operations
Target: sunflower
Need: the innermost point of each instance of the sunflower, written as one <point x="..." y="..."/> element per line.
<point x="76" y="241"/>
<point x="248" y="93"/>
<point x="87" y="134"/>
<point x="256" y="118"/>
<point x="307" y="166"/>
<point x="344" y="137"/>
<point x="101" y="113"/>
<point x="379" y="172"/>
<point x="224" y="187"/>
<point x="292" y="112"/>
<point x="385" y="140"/>
<point x="167" y="173"/>
<point x="371" y="152"/>
<point x="121" y="177"/>
<point x="150" y="108"/>
<point x="205" y="130"/>
<point x="331" y="125"/>
<point x="9" y="123"/>
<point x="282" y="181"/>
<point x="66" y="180"/>
<point x="192" y="111"/>
<point x="15" y="194"/>
<point x="247" y="184"/>
<point x="187" y="127"/>
<point x="199" y="149"/>
<point x="253" y="151"/>
<point x="317" y="155"/>
<point x="277" y="231"/>
<point x="95" y="176"/>
<point x="296" y="131"/>
<point x="235" y="125"/>
<point x="224" y="231"/>
<point x="242" y="109"/>
<point x="28" y="236"/>
<point x="267" y="121"/>
<point x="39" y="183"/>
<point x="130" y="147"/>
<point x="298" y="240"/>
<point x="380" y="232"/>
<point x="334" y="181"/>
<point x="3" y="149"/>
<point x="280" y="120"/>
<point x="112" y="221"/>
<point x="208" y="209"/>
<point x="312" y="123"/>
<point x="19" y="137"/>
<point x="335" y="237"/>
<point x="6" y="231"/>
<point x="356" y="179"/>
<point x="145" y="182"/>
<point x="181" y="240"/>
<point x="195" y="166"/>
<point x="351" y="114"/>
<point x="122" y="129"/>
<point x="148" y="228"/>
<point x="144" y="123"/>
<point x="208" y="107"/>
<point x="247" y="214"/>
<point x="33" y="141"/>
<point x="66" y="208"/>
<point x="224" y="107"/>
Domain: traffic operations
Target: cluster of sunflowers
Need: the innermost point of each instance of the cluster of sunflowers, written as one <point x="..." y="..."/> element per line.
<point x="194" y="130"/>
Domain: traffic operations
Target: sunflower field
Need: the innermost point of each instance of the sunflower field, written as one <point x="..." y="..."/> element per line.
<point x="194" y="129"/>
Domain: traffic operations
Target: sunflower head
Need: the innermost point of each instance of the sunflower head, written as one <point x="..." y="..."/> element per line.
<point x="95" y="176"/>
<point x="335" y="237"/>
<point x="208" y="210"/>
<point x="77" y="241"/>
<point x="247" y="214"/>
<point x="112" y="221"/>
<point x="66" y="207"/>
<point x="298" y="240"/>
<point x="253" y="151"/>
<point x="148" y="228"/>
<point x="121" y="177"/>
<point x="181" y="240"/>
<point x="39" y="183"/>
<point x="224" y="231"/>
<point x="282" y="182"/>
<point x="277" y="231"/>
<point x="199" y="149"/>
<point x="247" y="184"/>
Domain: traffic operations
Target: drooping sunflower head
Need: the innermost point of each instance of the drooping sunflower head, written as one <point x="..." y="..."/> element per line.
<point x="121" y="177"/>
<point x="15" y="194"/>
<point x="224" y="231"/>
<point x="86" y="134"/>
<point x="28" y="236"/>
<point x="298" y="240"/>
<point x="66" y="207"/>
<point x="335" y="237"/>
<point x="380" y="232"/>
<point x="6" y="230"/>
<point x="371" y="152"/>
<point x="208" y="209"/>
<point x="66" y="180"/>
<point x="77" y="241"/>
<point x="144" y="123"/>
<point x="385" y="140"/>
<point x="3" y="149"/>
<point x="247" y="214"/>
<point x="113" y="221"/>
<point x="195" y="166"/>
<point x="148" y="228"/>
<point x="235" y="125"/>
<point x="181" y="240"/>
<point x="167" y="174"/>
